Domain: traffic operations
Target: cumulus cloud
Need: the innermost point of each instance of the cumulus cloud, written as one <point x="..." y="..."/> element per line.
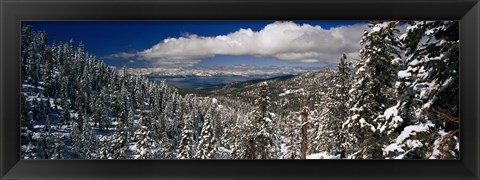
<point x="286" y="41"/>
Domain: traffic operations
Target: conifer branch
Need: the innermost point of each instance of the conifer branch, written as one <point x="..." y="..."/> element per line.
<point x="446" y="117"/>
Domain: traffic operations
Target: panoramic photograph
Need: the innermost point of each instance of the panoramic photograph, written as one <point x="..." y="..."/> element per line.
<point x="314" y="89"/>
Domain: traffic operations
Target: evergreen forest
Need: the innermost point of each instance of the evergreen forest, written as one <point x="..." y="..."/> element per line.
<point x="399" y="100"/>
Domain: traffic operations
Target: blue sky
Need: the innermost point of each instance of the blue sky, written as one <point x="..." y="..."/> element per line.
<point x="194" y="43"/>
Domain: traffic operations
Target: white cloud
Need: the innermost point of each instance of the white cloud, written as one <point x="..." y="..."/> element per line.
<point x="285" y="41"/>
<point x="122" y="55"/>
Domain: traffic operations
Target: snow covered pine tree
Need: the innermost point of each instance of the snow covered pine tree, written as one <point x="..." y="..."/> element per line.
<point x="372" y="91"/>
<point x="428" y="93"/>
<point x="207" y="145"/>
<point x="260" y="129"/>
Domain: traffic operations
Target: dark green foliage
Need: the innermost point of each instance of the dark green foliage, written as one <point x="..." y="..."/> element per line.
<point x="372" y="90"/>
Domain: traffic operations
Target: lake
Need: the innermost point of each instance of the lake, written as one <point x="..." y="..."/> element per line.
<point x="193" y="82"/>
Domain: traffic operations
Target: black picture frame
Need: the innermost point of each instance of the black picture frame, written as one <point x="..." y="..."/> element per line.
<point x="14" y="11"/>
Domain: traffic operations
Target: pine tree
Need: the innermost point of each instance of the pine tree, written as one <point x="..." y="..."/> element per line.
<point x="427" y="90"/>
<point x="130" y="122"/>
<point x="185" y="150"/>
<point x="207" y="146"/>
<point x="65" y="117"/>
<point x="41" y="147"/>
<point x="167" y="148"/>
<point x="372" y="90"/>
<point x="332" y="137"/>
<point x="40" y="150"/>
<point x="47" y="72"/>
<point x="303" y="131"/>
<point x="57" y="146"/>
<point x="90" y="141"/>
<point x="314" y="128"/>
<point x="104" y="110"/>
<point x="26" y="51"/>
<point x="76" y="139"/>
<point x="94" y="106"/>
<point x="292" y="136"/>
<point x="146" y="143"/>
<point x="120" y="142"/>
<point x="27" y="120"/>
<point x="239" y="143"/>
<point x="47" y="139"/>
<point x="260" y="129"/>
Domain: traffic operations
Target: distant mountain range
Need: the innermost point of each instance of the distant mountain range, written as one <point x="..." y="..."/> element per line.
<point x="209" y="71"/>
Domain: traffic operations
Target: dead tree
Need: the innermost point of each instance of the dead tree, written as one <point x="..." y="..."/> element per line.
<point x="252" y="149"/>
<point x="303" y="148"/>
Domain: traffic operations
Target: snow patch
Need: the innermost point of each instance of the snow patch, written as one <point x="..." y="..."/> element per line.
<point x="414" y="62"/>
<point x="413" y="129"/>
<point x="321" y="155"/>
<point x="404" y="74"/>
<point x="301" y="90"/>
<point x="393" y="147"/>
<point x="222" y="149"/>
<point x="390" y="112"/>
<point x="410" y="144"/>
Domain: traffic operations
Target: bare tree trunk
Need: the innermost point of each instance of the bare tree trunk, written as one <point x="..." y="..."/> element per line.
<point x="303" y="150"/>
<point x="252" y="150"/>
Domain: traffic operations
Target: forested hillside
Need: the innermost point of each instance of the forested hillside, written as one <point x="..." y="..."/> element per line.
<point x="398" y="101"/>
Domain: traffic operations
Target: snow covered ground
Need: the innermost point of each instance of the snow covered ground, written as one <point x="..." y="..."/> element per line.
<point x="322" y="155"/>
